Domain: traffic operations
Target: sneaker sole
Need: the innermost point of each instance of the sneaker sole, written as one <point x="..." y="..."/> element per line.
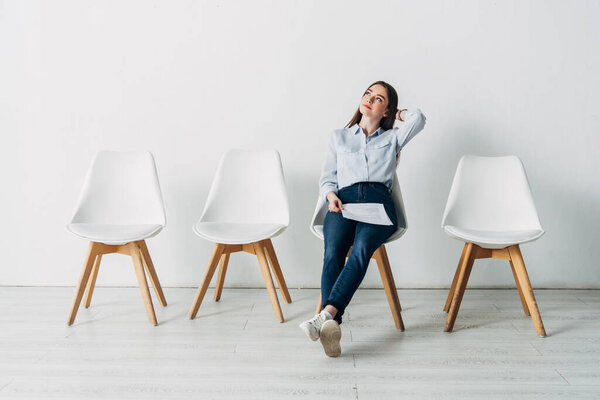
<point x="331" y="334"/>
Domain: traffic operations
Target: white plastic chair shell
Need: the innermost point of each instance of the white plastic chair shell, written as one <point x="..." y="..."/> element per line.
<point x="121" y="200"/>
<point x="247" y="201"/>
<point x="490" y="203"/>
<point x="316" y="225"/>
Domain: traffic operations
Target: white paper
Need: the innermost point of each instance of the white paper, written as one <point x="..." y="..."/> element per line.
<point x="371" y="213"/>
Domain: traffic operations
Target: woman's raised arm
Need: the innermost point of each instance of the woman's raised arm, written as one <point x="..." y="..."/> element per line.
<point x="412" y="121"/>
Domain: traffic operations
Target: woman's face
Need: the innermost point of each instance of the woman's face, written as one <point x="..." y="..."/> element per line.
<point x="374" y="102"/>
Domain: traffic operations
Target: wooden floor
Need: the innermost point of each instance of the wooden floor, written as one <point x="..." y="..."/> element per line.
<point x="235" y="349"/>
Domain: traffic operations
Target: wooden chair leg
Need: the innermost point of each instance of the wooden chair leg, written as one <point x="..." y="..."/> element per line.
<point x="517" y="259"/>
<point x="461" y="285"/>
<point x="221" y="276"/>
<point x="264" y="267"/>
<point x="152" y="272"/>
<point x="136" y="256"/>
<point x="210" y="270"/>
<point x="92" y="281"/>
<point x="386" y="259"/>
<point x="319" y="305"/>
<point x="83" y="280"/>
<point x="453" y="286"/>
<point x="389" y="285"/>
<point x="270" y="251"/>
<point x="523" y="302"/>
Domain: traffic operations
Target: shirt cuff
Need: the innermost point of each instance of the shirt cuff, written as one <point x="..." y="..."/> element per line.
<point x="411" y="113"/>
<point x="325" y="189"/>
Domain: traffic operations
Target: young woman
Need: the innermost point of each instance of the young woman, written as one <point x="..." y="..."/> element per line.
<point x="359" y="168"/>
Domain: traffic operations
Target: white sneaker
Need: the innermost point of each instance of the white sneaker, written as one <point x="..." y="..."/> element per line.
<point x="330" y="338"/>
<point x="312" y="327"/>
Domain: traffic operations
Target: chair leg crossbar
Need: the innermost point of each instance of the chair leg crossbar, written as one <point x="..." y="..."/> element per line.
<point x="385" y="270"/>
<point x="470" y="253"/>
<point x="138" y="251"/>
<point x="263" y="250"/>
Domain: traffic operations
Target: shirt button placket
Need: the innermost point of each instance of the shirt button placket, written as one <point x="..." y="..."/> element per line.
<point x="366" y="160"/>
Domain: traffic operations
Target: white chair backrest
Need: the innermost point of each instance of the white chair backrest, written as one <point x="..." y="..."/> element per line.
<point x="491" y="193"/>
<point x="248" y="187"/>
<point x="316" y="225"/>
<point x="121" y="188"/>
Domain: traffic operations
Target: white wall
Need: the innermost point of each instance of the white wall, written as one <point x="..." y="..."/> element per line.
<point x="187" y="80"/>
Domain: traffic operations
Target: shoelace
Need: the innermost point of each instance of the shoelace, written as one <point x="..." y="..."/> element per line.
<point x="320" y="320"/>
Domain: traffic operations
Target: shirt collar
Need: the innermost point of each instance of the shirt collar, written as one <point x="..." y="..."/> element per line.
<point x="356" y="129"/>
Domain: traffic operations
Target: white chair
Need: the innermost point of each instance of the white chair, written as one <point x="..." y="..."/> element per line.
<point x="247" y="205"/>
<point x="380" y="255"/>
<point x="491" y="209"/>
<point x="119" y="207"/>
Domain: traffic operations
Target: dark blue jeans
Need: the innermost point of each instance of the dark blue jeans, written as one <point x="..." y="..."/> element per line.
<point x="339" y="281"/>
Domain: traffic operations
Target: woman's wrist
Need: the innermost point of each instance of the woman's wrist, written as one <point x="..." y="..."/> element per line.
<point x="401" y="113"/>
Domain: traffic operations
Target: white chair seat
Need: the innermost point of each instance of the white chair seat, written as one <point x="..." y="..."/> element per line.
<point x="114" y="233"/>
<point x="493" y="239"/>
<point x="236" y="233"/>
<point x="318" y="231"/>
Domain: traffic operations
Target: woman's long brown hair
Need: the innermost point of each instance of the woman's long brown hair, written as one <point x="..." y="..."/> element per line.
<point x="386" y="122"/>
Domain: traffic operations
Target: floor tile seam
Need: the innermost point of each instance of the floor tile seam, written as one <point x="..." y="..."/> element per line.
<point x="7" y="384"/>
<point x="536" y="349"/>
<point x="577" y="297"/>
<point x="561" y="375"/>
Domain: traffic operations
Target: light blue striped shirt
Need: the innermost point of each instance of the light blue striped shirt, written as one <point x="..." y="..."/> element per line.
<point x="351" y="157"/>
